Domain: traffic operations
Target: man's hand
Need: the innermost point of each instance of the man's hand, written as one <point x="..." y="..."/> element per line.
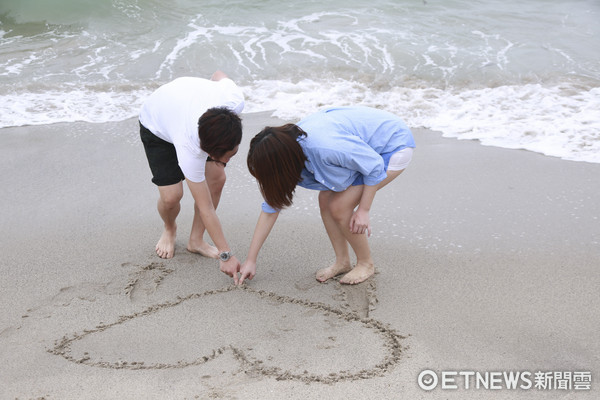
<point x="359" y="223"/>
<point x="248" y="270"/>
<point x="231" y="267"/>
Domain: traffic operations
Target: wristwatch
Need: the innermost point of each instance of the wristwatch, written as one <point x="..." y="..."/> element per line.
<point x="224" y="256"/>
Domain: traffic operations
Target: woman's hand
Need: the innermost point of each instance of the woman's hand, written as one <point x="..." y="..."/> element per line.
<point x="359" y="223"/>
<point x="248" y="270"/>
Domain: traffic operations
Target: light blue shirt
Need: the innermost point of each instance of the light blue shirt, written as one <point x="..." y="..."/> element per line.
<point x="345" y="145"/>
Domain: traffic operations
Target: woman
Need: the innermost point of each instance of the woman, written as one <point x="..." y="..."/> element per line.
<point x="347" y="153"/>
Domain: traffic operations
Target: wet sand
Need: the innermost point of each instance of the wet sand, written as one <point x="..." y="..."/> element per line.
<point x="487" y="260"/>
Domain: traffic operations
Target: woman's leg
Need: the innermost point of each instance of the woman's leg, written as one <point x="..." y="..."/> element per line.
<point x="215" y="179"/>
<point x="338" y="241"/>
<point x="336" y="210"/>
<point x="169" y="204"/>
<point x="365" y="267"/>
<point x="342" y="207"/>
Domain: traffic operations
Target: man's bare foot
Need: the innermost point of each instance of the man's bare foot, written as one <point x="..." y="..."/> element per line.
<point x="334" y="270"/>
<point x="360" y="273"/>
<point x="203" y="248"/>
<point x="165" y="248"/>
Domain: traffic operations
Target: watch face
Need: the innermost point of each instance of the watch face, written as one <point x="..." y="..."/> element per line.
<point x="224" y="256"/>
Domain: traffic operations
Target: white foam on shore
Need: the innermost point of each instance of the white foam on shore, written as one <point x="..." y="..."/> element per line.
<point x="491" y="75"/>
<point x="561" y="121"/>
<point x="54" y="106"/>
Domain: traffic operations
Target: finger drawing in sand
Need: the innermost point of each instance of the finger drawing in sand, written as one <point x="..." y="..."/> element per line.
<point x="347" y="154"/>
<point x="190" y="129"/>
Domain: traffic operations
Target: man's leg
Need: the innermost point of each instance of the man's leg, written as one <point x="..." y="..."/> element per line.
<point x="215" y="179"/>
<point x="168" y="208"/>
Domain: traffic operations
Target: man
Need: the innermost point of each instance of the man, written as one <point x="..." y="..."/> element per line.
<point x="190" y="130"/>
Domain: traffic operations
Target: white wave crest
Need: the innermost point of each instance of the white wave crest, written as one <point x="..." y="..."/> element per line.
<point x="54" y="106"/>
<point x="561" y="121"/>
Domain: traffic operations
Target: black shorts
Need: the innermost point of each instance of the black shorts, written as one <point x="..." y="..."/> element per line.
<point x="162" y="159"/>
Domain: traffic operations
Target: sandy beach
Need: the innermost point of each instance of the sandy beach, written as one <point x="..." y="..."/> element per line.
<point x="487" y="261"/>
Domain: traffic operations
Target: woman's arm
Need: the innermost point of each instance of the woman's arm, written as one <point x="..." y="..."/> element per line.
<point x="261" y="232"/>
<point x="201" y="195"/>
<point x="359" y="223"/>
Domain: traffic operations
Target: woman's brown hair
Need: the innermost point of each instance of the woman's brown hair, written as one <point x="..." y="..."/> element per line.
<point x="220" y="130"/>
<point x="276" y="160"/>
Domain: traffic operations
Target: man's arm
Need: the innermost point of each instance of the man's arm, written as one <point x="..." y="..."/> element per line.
<point x="218" y="75"/>
<point x="203" y="200"/>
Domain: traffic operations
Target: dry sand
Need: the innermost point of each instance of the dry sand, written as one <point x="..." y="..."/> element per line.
<point x="487" y="260"/>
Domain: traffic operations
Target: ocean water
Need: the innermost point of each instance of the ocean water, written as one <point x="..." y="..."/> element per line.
<point x="516" y="74"/>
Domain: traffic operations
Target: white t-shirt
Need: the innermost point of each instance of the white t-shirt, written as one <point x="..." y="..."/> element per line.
<point x="172" y="114"/>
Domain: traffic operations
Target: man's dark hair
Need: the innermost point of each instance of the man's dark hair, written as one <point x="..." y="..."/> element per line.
<point x="220" y="130"/>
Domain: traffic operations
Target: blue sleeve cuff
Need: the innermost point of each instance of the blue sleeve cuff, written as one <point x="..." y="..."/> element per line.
<point x="371" y="181"/>
<point x="268" y="209"/>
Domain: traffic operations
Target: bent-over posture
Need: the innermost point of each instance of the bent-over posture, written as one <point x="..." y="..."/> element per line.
<point x="190" y="129"/>
<point x="347" y="154"/>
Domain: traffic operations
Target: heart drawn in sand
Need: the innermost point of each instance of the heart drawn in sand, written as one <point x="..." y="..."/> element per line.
<point x="262" y="330"/>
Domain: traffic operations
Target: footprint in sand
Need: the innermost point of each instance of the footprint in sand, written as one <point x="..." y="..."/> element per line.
<point x="145" y="281"/>
<point x="359" y="299"/>
<point x="268" y="334"/>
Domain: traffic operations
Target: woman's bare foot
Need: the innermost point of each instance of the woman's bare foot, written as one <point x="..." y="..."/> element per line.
<point x="165" y="248"/>
<point x="334" y="270"/>
<point x="360" y="273"/>
<point x="203" y="248"/>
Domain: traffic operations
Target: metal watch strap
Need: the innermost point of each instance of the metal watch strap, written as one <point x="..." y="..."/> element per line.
<point x="225" y="256"/>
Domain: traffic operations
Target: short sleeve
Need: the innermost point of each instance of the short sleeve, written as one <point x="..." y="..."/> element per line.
<point x="192" y="164"/>
<point x="367" y="162"/>
<point x="268" y="209"/>
<point x="338" y="167"/>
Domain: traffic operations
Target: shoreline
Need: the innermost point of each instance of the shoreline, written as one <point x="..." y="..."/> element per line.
<point x="486" y="260"/>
